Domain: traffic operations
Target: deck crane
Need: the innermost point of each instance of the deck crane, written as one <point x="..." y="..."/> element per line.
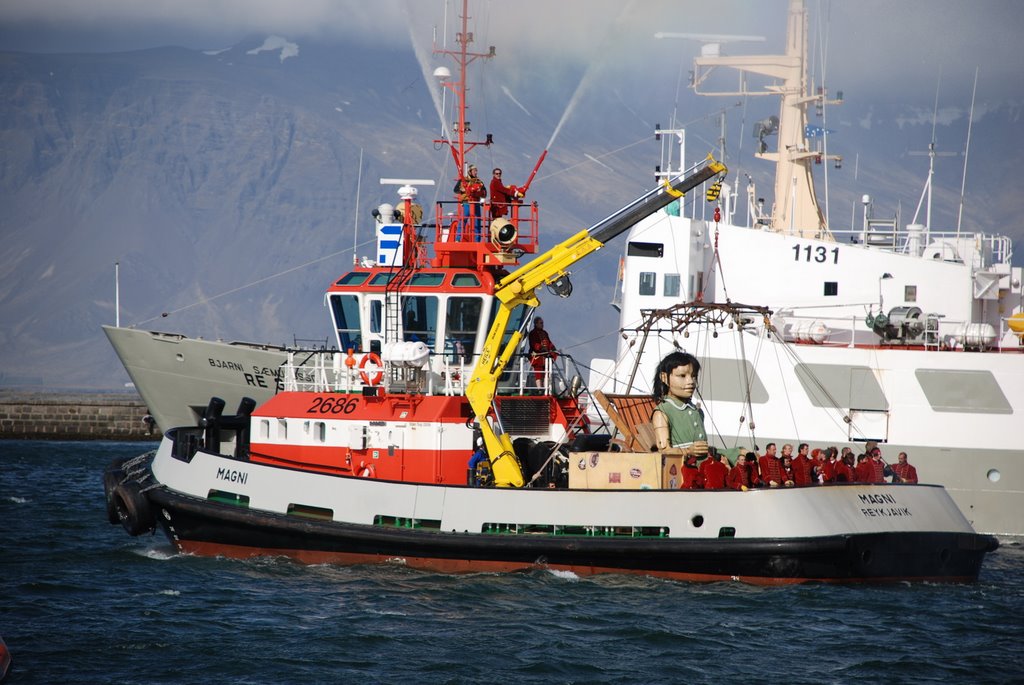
<point x="551" y="268"/>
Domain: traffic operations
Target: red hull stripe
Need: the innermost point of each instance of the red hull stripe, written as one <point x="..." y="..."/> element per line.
<point x="212" y="549"/>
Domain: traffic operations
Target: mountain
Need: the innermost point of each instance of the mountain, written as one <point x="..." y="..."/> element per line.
<point x="224" y="183"/>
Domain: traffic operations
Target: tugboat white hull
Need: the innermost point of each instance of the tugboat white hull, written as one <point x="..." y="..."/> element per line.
<point x="216" y="505"/>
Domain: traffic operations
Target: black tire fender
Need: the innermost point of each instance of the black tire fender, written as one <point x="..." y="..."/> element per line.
<point x="133" y="509"/>
<point x="111" y="479"/>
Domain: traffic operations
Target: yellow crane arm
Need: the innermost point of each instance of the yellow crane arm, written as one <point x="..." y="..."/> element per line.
<point x="519" y="289"/>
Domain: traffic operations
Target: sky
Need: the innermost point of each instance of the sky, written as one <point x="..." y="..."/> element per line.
<point x="879" y="44"/>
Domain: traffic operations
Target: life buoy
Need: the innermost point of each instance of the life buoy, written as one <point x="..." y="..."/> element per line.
<point x="367" y="380"/>
<point x="133" y="508"/>
<point x="366" y="470"/>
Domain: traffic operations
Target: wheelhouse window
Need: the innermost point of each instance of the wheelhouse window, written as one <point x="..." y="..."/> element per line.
<point x="461" y="325"/>
<point x="831" y="288"/>
<point x="465" y="281"/>
<point x="648" y="282"/>
<point x="345" y="309"/>
<point x="353" y="278"/>
<point x="671" y="285"/>
<point x="428" y="278"/>
<point x="419" y="318"/>
<point x="376" y="316"/>
<point x="638" y="249"/>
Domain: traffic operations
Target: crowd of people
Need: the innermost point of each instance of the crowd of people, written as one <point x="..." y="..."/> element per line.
<point x="807" y="467"/>
<point x="679" y="429"/>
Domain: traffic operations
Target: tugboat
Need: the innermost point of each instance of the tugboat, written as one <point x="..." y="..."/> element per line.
<point x="429" y="440"/>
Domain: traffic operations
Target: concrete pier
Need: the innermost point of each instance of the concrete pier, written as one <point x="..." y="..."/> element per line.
<point x="40" y="415"/>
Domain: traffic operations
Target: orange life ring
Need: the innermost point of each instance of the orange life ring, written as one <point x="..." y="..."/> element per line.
<point x="366" y="471"/>
<point x="372" y="356"/>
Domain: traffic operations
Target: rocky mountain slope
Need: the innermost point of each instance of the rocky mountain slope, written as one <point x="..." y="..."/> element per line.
<point x="224" y="184"/>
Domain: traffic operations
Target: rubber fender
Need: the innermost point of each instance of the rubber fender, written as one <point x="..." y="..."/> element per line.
<point x="133" y="508"/>
<point x="111" y="479"/>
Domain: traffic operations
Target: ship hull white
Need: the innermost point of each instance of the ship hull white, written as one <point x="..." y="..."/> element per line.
<point x="176" y="376"/>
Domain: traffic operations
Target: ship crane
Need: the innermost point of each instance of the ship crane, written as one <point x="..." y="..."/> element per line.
<point x="551" y="268"/>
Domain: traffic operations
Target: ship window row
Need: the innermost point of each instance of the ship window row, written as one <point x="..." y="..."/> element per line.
<point x="857" y="387"/>
<point x="315" y="431"/>
<point x="670" y="284"/>
<point x="424" y="279"/>
<point x="362" y="322"/>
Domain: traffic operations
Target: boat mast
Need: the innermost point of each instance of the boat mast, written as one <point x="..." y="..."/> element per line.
<point x="463" y="58"/>
<point x="796" y="208"/>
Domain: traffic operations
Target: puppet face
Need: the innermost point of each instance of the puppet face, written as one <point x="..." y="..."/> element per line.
<point x="681" y="382"/>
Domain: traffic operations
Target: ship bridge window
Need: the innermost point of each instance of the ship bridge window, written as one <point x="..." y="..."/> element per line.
<point x="831" y="288"/>
<point x="419" y="318"/>
<point x="970" y="392"/>
<point x="637" y="249"/>
<point x="376" y="316"/>
<point x="353" y="278"/>
<point x="461" y="326"/>
<point x="382" y="278"/>
<point x="427" y="279"/>
<point x="345" y="309"/>
<point x="836" y="385"/>
<point x="671" y="285"/>
<point x="648" y="282"/>
<point x="465" y="281"/>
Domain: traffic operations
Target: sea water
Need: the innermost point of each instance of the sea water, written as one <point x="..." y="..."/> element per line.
<point x="82" y="602"/>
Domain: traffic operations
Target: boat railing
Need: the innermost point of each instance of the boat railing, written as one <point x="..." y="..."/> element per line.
<point x="930" y="331"/>
<point x="447" y="374"/>
<point x="980" y="249"/>
<point x="465" y="223"/>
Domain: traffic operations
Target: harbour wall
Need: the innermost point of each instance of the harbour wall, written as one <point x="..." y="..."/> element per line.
<point x="74" y="416"/>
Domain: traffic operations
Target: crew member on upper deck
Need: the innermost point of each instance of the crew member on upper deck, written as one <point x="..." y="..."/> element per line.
<point x="501" y="195"/>
<point x="541" y="349"/>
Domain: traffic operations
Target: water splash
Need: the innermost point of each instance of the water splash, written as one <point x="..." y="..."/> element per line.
<point x="564" y="575"/>
<point x="589" y="74"/>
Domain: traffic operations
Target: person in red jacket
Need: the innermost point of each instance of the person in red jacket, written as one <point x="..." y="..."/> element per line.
<point x="501" y="195"/>
<point x="863" y="472"/>
<point x="824" y="464"/>
<point x="769" y="467"/>
<point x="878" y="467"/>
<point x="714" y="470"/>
<point x="842" y="471"/>
<point x="803" y="466"/>
<point x="470" y="191"/>
<point x="741" y="476"/>
<point x="541" y="348"/>
<point x="903" y="471"/>
<point x="787" y="471"/>
<point x="692" y="478"/>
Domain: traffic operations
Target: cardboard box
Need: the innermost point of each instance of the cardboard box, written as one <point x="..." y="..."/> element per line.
<point x="624" y="471"/>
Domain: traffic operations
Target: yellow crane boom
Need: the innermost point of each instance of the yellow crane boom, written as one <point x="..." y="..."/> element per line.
<point x="519" y="289"/>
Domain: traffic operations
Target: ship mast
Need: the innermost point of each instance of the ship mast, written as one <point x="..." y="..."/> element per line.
<point x="460" y="146"/>
<point x="796" y="209"/>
